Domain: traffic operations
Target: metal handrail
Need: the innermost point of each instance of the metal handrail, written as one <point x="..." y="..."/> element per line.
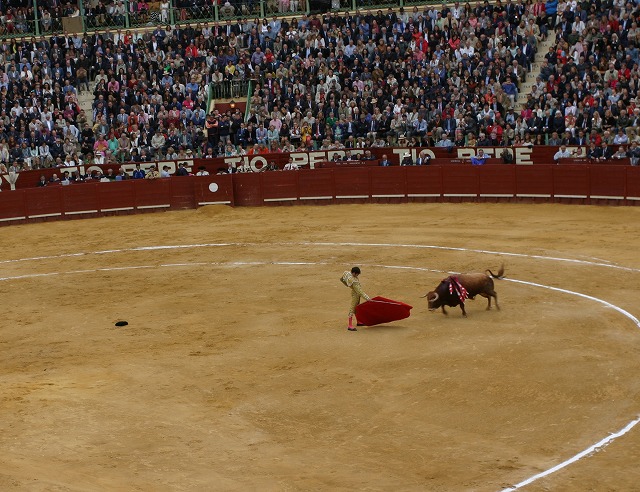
<point x="250" y="89"/>
<point x="209" y="96"/>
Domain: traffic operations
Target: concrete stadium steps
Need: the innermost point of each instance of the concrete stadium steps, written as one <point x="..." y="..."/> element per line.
<point x="525" y="87"/>
<point x="86" y="101"/>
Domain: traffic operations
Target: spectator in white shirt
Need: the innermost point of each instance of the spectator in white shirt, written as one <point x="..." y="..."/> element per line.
<point x="290" y="166"/>
<point x="620" y="154"/>
<point x="621" y="138"/>
<point x="563" y="153"/>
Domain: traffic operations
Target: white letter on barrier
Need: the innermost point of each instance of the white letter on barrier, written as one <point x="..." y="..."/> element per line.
<point x="232" y="160"/>
<point x="16" y="176"/>
<point x="466" y="153"/>
<point x="399" y="153"/>
<point x="256" y="159"/>
<point x="316" y="157"/>
<point x="90" y="169"/>
<point x="300" y="158"/>
<point x="523" y="155"/>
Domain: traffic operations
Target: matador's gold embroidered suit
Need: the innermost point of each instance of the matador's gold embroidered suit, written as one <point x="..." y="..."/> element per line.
<point x="353" y="283"/>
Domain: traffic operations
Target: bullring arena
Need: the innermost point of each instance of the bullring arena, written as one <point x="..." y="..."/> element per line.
<point x="236" y="371"/>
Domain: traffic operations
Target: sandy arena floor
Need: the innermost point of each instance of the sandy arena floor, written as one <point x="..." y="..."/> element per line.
<point x="236" y="371"/>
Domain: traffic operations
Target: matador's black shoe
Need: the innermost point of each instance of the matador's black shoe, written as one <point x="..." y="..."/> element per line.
<point x="352" y="329"/>
<point x="360" y="324"/>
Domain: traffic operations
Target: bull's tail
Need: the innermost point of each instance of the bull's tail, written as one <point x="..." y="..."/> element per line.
<point x="500" y="274"/>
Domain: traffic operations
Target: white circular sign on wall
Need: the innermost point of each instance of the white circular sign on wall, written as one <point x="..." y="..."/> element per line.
<point x="213" y="187"/>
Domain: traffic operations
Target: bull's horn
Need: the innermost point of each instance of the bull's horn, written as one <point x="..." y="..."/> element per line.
<point x="436" y="297"/>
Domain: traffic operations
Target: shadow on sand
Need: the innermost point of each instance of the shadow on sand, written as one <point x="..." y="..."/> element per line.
<point x="383" y="327"/>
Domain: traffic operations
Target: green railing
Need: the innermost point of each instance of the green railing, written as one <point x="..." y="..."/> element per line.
<point x="340" y="5"/>
<point x="148" y="17"/>
<point x="229" y="89"/>
<point x="287" y="7"/>
<point x="418" y="3"/>
<point x="21" y="26"/>
<point x="250" y="89"/>
<point x="195" y="13"/>
<point x="19" y="29"/>
<point x="183" y="11"/>
<point x="226" y="90"/>
<point x="209" y="97"/>
<point x="99" y="22"/>
<point x="377" y="4"/>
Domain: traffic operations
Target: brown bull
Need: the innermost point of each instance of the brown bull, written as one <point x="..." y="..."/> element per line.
<point x="455" y="289"/>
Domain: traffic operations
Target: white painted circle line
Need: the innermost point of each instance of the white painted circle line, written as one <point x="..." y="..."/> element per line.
<point x="585" y="296"/>
<point x="590" y="450"/>
<point x="604" y="264"/>
<point x="482" y="251"/>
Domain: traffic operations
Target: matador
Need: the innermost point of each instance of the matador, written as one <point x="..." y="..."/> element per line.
<point x="350" y="279"/>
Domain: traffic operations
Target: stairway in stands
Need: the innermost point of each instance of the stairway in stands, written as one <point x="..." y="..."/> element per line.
<point x="525" y="87"/>
<point x="85" y="100"/>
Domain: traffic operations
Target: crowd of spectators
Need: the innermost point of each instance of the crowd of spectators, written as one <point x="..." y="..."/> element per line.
<point x="450" y="76"/>
<point x="116" y="13"/>
<point x="446" y="75"/>
<point x="588" y="89"/>
<point x="18" y="17"/>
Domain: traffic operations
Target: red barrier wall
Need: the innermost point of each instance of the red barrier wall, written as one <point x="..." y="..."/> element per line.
<point x="12" y="206"/>
<point x="316" y="187"/>
<point x="247" y="189"/>
<point x="114" y="199"/>
<point x="42" y="203"/>
<point x="588" y="184"/>
<point x="208" y="191"/>
<point x="459" y="156"/>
